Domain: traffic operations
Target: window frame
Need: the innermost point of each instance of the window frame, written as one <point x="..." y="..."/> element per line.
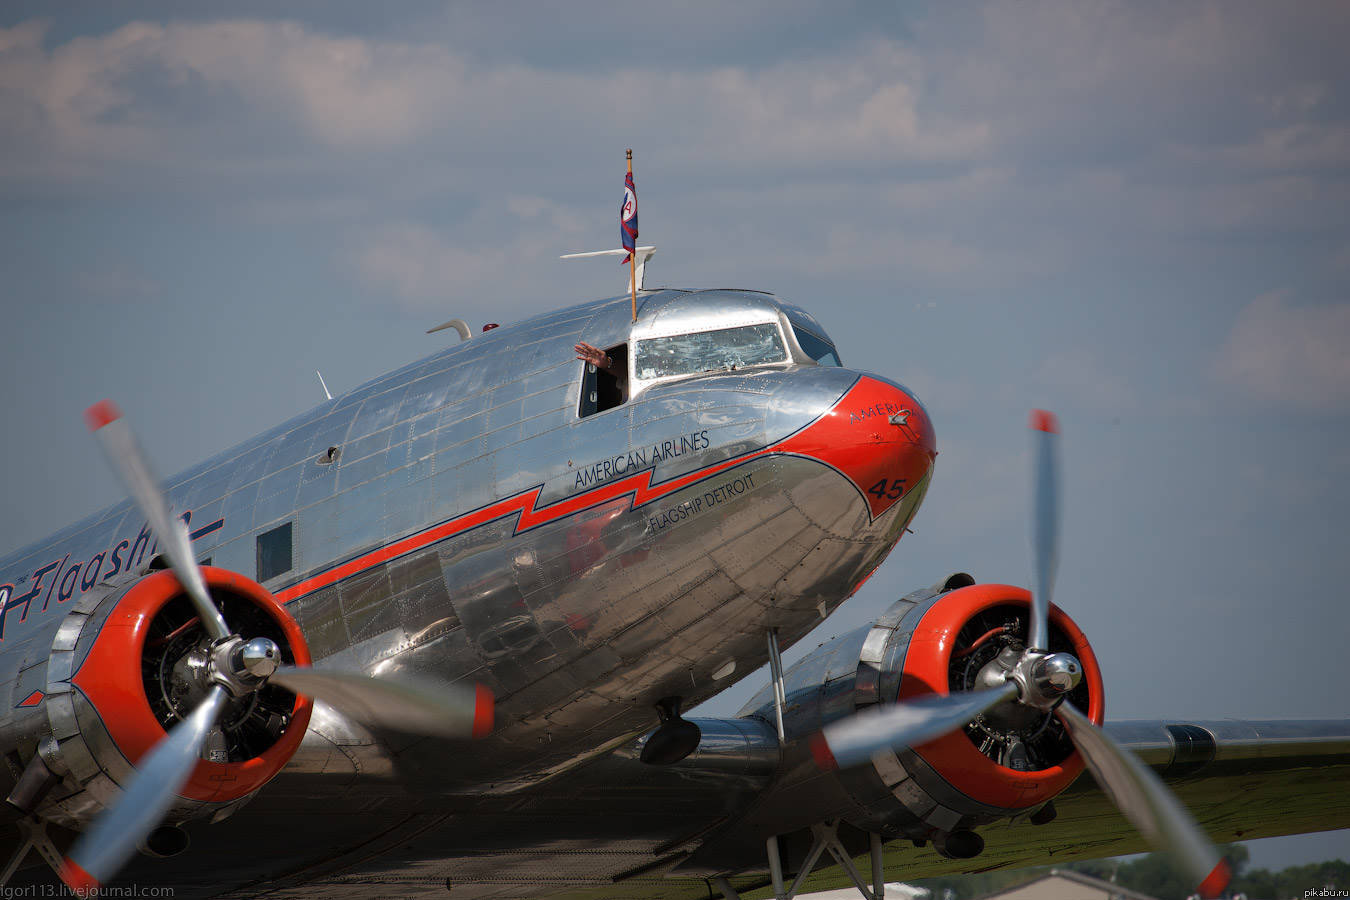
<point x="798" y="330"/>
<point x="637" y="384"/>
<point x="289" y="528"/>
<point x="589" y="372"/>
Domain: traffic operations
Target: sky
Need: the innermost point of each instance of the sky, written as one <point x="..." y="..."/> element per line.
<point x="1134" y="214"/>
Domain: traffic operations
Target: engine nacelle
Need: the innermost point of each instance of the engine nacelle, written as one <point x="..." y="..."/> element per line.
<point x="1009" y="761"/>
<point x="127" y="663"/>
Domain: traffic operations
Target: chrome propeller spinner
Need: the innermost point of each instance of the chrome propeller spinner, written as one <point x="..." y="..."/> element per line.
<point x="1035" y="677"/>
<point x="229" y="665"/>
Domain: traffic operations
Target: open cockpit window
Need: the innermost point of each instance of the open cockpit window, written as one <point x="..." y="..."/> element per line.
<point x="817" y="348"/>
<point x="603" y="389"/>
<point x="709" y="351"/>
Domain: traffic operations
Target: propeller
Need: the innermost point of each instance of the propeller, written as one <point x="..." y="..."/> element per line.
<point x="1041" y="680"/>
<point x="853" y="740"/>
<point x="416" y="705"/>
<point x="1045" y="541"/>
<point x="124" y="454"/>
<point x="1147" y="803"/>
<point x="237" y="668"/>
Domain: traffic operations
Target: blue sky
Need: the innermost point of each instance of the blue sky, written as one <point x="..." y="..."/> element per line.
<point x="1137" y="215"/>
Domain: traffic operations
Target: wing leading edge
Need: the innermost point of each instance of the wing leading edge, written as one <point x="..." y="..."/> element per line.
<point x="1242" y="780"/>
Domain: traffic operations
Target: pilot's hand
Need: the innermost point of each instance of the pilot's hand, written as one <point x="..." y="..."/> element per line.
<point x="593" y="355"/>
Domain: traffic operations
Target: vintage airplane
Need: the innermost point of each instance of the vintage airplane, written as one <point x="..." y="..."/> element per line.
<point x="598" y="549"/>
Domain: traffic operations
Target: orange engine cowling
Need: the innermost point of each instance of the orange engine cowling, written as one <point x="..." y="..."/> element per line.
<point x="1011" y="760"/>
<point x="129" y="662"/>
<point x="1007" y="762"/>
<point x="952" y="639"/>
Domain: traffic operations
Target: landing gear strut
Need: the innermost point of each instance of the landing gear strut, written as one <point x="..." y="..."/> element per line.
<point x="824" y="837"/>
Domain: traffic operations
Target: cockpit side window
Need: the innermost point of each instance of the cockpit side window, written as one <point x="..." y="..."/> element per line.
<point x="709" y="351"/>
<point x="816" y="348"/>
<point x="603" y="389"/>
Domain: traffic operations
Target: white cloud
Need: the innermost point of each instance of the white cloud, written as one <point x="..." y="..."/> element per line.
<point x="111" y="96"/>
<point x="1293" y="357"/>
<point x="1045" y="138"/>
<point x="1299" y="146"/>
<point x="424" y="270"/>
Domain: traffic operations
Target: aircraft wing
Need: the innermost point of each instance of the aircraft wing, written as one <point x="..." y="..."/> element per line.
<point x="1255" y="780"/>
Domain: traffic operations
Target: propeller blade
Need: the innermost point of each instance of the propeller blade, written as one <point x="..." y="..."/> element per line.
<point x="1147" y="803"/>
<point x="1045" y="542"/>
<point x="127" y="459"/>
<point x="417" y="705"/>
<point x="101" y="851"/>
<point x="853" y="740"/>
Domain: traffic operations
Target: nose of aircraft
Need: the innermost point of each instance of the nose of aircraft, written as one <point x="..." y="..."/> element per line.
<point x="878" y="436"/>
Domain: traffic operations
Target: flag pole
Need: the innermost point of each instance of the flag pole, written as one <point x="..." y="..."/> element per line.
<point x="632" y="257"/>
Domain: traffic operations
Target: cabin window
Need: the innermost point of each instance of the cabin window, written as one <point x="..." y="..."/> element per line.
<point x="274" y="552"/>
<point x="817" y="348"/>
<point x="710" y="351"/>
<point x="605" y="389"/>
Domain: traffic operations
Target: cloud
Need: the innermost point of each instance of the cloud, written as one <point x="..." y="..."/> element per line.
<point x="1106" y="79"/>
<point x="1291" y="357"/>
<point x="424" y="270"/>
<point x="146" y="87"/>
<point x="993" y="147"/>
<point x="1303" y="145"/>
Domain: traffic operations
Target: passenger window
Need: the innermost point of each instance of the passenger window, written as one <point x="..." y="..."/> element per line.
<point x="710" y="351"/>
<point x="274" y="552"/>
<point x="817" y="349"/>
<point x="605" y="389"/>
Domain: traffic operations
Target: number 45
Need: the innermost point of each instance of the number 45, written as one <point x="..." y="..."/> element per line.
<point x="887" y="490"/>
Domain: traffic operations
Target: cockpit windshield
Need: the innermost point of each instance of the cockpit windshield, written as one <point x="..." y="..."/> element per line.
<point x="709" y="351"/>
<point x="816" y="348"/>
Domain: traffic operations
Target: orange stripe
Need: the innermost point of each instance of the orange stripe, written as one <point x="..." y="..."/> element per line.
<point x="531" y="516"/>
<point x="827" y="443"/>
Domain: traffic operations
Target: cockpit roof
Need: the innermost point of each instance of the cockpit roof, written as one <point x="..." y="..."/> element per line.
<point x="670" y="315"/>
<point x="685" y="312"/>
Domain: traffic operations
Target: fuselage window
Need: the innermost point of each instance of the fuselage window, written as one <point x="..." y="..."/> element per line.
<point x="710" y="351"/>
<point x="274" y="552"/>
<point x="817" y="349"/>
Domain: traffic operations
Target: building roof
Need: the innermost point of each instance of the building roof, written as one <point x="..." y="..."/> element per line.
<point x="1087" y="881"/>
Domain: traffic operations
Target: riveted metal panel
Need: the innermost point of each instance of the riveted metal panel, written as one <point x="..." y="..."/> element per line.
<point x="874" y="646"/>
<point x="88" y="602"/>
<point x="865" y="686"/>
<point x="943" y="819"/>
<point x="889" y="768"/>
<point x="69" y="633"/>
<point x="61" y="713"/>
<point x="914" y="798"/>
<point x="59" y="671"/>
<point x="75" y="754"/>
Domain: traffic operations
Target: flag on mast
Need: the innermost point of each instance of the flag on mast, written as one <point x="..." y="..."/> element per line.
<point x="628" y="219"/>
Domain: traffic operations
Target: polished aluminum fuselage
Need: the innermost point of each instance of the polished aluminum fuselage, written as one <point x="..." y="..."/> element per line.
<point x="474" y="526"/>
